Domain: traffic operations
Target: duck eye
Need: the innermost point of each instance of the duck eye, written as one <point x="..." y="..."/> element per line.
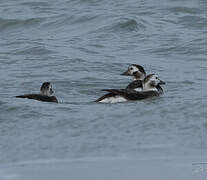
<point x="131" y="68"/>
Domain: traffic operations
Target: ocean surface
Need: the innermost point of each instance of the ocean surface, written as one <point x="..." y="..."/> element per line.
<point x="81" y="47"/>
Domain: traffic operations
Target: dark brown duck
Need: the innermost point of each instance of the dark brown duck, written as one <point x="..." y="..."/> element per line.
<point x="44" y="95"/>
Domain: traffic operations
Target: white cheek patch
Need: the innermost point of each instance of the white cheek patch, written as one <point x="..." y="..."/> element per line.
<point x="149" y="87"/>
<point x="47" y="91"/>
<point x="151" y="84"/>
<point x="154" y="80"/>
<point x="135" y="70"/>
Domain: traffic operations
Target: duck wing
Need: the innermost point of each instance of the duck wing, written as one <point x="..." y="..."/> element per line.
<point x="39" y="97"/>
<point x="131" y="94"/>
<point x="135" y="84"/>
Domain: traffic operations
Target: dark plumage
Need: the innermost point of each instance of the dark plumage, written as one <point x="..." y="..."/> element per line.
<point x="159" y="88"/>
<point x="135" y="84"/>
<point x="150" y="87"/>
<point x="131" y="94"/>
<point x="44" y="95"/>
<point x="141" y="69"/>
<point x="39" y="97"/>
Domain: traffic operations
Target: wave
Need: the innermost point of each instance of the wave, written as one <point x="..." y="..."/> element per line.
<point x="128" y="25"/>
<point x="37" y="50"/>
<point x="192" y="21"/>
<point x="8" y="24"/>
<point x="120" y="26"/>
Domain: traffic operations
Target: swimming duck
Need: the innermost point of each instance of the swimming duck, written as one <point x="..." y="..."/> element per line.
<point x="138" y="74"/>
<point x="44" y="95"/>
<point x="135" y="70"/>
<point x="149" y="84"/>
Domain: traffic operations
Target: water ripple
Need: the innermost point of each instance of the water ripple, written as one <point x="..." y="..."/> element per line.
<point x="12" y="24"/>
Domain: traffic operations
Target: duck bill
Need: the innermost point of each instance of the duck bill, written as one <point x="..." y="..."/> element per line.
<point x="126" y="73"/>
<point x="161" y="82"/>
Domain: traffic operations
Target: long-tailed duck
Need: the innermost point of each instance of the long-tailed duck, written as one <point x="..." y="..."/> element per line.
<point x="44" y="95"/>
<point x="150" y="83"/>
<point x="138" y="74"/>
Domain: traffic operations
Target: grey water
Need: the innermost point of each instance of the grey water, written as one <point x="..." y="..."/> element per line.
<point x="81" y="47"/>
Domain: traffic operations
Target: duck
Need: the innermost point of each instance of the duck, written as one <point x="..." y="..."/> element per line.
<point x="135" y="70"/>
<point x="45" y="94"/>
<point x="138" y="73"/>
<point x="149" y="84"/>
